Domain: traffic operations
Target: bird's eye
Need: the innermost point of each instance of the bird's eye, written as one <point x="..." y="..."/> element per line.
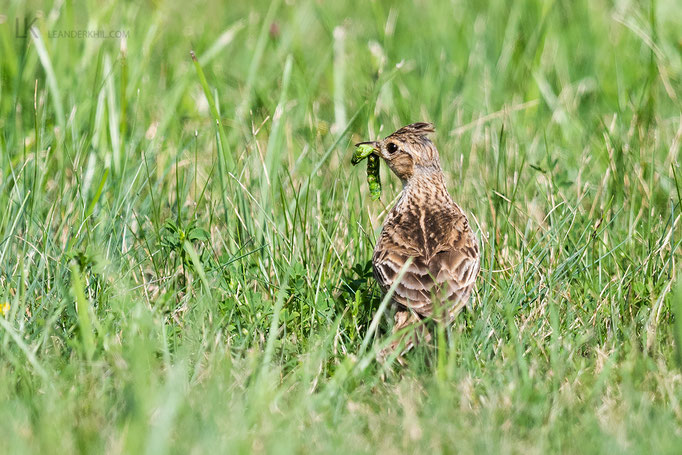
<point x="392" y="148"/>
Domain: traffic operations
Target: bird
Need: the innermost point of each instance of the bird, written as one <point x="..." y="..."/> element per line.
<point x="428" y="235"/>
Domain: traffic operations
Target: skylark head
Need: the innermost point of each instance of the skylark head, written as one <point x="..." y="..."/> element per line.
<point x="409" y="151"/>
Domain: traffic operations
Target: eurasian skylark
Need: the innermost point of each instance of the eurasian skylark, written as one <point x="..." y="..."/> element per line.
<point x="428" y="229"/>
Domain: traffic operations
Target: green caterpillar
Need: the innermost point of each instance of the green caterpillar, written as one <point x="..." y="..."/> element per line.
<point x="373" y="177"/>
<point x="373" y="180"/>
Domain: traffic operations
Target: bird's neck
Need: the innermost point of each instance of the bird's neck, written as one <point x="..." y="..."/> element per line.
<point x="424" y="187"/>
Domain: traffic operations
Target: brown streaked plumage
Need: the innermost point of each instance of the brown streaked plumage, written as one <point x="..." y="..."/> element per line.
<point x="429" y="227"/>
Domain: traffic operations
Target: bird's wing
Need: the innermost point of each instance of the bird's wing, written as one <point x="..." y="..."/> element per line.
<point x="444" y="271"/>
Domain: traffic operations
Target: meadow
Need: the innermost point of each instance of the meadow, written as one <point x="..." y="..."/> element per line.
<point x="185" y="247"/>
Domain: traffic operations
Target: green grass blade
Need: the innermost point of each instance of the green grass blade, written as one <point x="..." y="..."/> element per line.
<point x="83" y="310"/>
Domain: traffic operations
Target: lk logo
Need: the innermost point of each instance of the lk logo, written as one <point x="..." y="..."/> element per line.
<point x="28" y="24"/>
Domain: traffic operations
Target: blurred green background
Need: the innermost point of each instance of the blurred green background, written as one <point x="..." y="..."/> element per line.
<point x="190" y="273"/>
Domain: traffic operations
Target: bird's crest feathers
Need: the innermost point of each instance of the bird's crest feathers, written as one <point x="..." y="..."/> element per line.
<point x="419" y="129"/>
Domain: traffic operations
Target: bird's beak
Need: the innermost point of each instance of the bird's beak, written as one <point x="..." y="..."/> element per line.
<point x="374" y="144"/>
<point x="364" y="152"/>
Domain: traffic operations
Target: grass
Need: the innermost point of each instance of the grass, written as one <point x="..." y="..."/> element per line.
<point x="184" y="258"/>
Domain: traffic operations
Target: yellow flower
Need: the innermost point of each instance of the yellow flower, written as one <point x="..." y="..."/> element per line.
<point x="4" y="308"/>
